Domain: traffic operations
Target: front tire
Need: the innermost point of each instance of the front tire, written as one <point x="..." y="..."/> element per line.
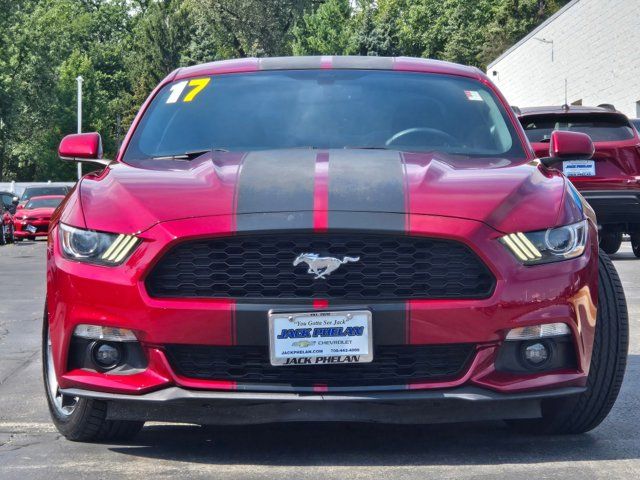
<point x="610" y="242"/>
<point x="79" y="419"/>
<point x="584" y="412"/>
<point x="635" y="244"/>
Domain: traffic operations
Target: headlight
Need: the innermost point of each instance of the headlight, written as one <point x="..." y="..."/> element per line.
<point x="96" y="247"/>
<point x="545" y="246"/>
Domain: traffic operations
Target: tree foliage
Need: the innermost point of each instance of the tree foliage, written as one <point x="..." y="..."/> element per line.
<point x="123" y="48"/>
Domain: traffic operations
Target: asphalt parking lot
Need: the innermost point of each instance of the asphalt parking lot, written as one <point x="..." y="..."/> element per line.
<point x="30" y="448"/>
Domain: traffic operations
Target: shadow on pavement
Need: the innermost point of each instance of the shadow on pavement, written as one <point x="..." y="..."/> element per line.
<point x="307" y="444"/>
<point x="623" y="256"/>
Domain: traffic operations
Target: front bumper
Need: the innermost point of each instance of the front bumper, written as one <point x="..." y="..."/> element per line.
<point x="616" y="207"/>
<point x="20" y="228"/>
<point x="116" y="296"/>
<point x="461" y="404"/>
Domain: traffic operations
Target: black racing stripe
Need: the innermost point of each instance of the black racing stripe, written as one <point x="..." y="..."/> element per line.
<point x="290" y="63"/>
<point x="276" y="181"/>
<point x="269" y="222"/>
<point x="337" y="62"/>
<point x="252" y="320"/>
<point x="367" y="181"/>
<point x="365" y="63"/>
<point x="367" y="191"/>
<point x="275" y="192"/>
<point x="368" y="222"/>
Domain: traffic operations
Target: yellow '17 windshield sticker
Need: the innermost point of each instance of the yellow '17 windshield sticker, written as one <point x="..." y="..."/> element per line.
<point x="176" y="90"/>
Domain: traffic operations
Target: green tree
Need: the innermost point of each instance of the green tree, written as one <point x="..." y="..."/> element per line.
<point x="244" y="28"/>
<point x="326" y="31"/>
<point x="123" y="48"/>
<point x="160" y="44"/>
<point x="55" y="41"/>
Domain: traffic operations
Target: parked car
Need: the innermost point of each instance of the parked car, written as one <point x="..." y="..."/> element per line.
<point x="32" y="220"/>
<point x="335" y="238"/>
<point x="8" y="204"/>
<point x="42" y="190"/>
<point x="610" y="181"/>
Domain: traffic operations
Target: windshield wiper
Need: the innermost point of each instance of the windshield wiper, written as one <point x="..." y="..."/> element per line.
<point x="189" y="155"/>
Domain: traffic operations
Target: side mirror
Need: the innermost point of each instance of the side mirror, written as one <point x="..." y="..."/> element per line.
<point x="82" y="147"/>
<point x="568" y="145"/>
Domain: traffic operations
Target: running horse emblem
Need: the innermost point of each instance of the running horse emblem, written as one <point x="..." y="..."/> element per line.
<point x="322" y="266"/>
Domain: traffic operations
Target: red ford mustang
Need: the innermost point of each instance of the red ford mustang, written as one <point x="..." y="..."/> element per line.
<point x="32" y="219"/>
<point x="328" y="238"/>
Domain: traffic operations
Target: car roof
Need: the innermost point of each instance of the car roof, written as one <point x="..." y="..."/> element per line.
<point x="329" y="62"/>
<point x="564" y="110"/>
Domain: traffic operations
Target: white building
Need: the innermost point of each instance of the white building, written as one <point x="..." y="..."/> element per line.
<point x="593" y="45"/>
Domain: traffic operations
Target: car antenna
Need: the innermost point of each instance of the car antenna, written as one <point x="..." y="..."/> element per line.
<point x="565" y="107"/>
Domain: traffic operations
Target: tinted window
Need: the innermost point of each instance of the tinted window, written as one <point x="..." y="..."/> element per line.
<point x="43" y="203"/>
<point x="601" y="128"/>
<point x="7" y="200"/>
<point x="41" y="191"/>
<point x="636" y="123"/>
<point x="326" y="109"/>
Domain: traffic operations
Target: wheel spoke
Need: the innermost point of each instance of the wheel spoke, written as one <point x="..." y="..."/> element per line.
<point x="63" y="404"/>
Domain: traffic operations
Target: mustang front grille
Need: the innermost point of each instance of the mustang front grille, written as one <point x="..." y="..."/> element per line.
<point x="376" y="267"/>
<point x="392" y="365"/>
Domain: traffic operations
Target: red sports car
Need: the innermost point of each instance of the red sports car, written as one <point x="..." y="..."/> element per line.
<point x="610" y="180"/>
<point x="32" y="219"/>
<point x="328" y="238"/>
<point x="8" y="203"/>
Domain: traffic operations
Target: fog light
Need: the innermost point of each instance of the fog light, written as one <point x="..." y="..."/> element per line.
<point x="106" y="355"/>
<point x="536" y="354"/>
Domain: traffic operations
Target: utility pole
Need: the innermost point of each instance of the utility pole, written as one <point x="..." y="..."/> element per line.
<point x="79" y="79"/>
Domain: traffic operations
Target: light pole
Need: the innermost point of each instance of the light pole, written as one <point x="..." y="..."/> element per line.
<point x="79" y="79"/>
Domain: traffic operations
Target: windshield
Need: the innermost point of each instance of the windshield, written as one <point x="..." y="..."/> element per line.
<point x="601" y="128"/>
<point x="39" y="191"/>
<point x="325" y="109"/>
<point x="43" y="203"/>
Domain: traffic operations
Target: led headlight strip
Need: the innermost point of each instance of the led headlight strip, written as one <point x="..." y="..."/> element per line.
<point x="91" y="246"/>
<point x="521" y="247"/>
<point x="119" y="249"/>
<point x="550" y="245"/>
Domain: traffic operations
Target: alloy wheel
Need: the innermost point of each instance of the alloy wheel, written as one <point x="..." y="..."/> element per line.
<point x="64" y="404"/>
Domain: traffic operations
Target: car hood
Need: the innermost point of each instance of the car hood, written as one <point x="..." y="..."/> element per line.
<point x="505" y="195"/>
<point x="36" y="212"/>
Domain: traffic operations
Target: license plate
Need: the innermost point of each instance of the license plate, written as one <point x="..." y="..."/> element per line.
<point x="318" y="338"/>
<point x="579" y="168"/>
<point x="31" y="229"/>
